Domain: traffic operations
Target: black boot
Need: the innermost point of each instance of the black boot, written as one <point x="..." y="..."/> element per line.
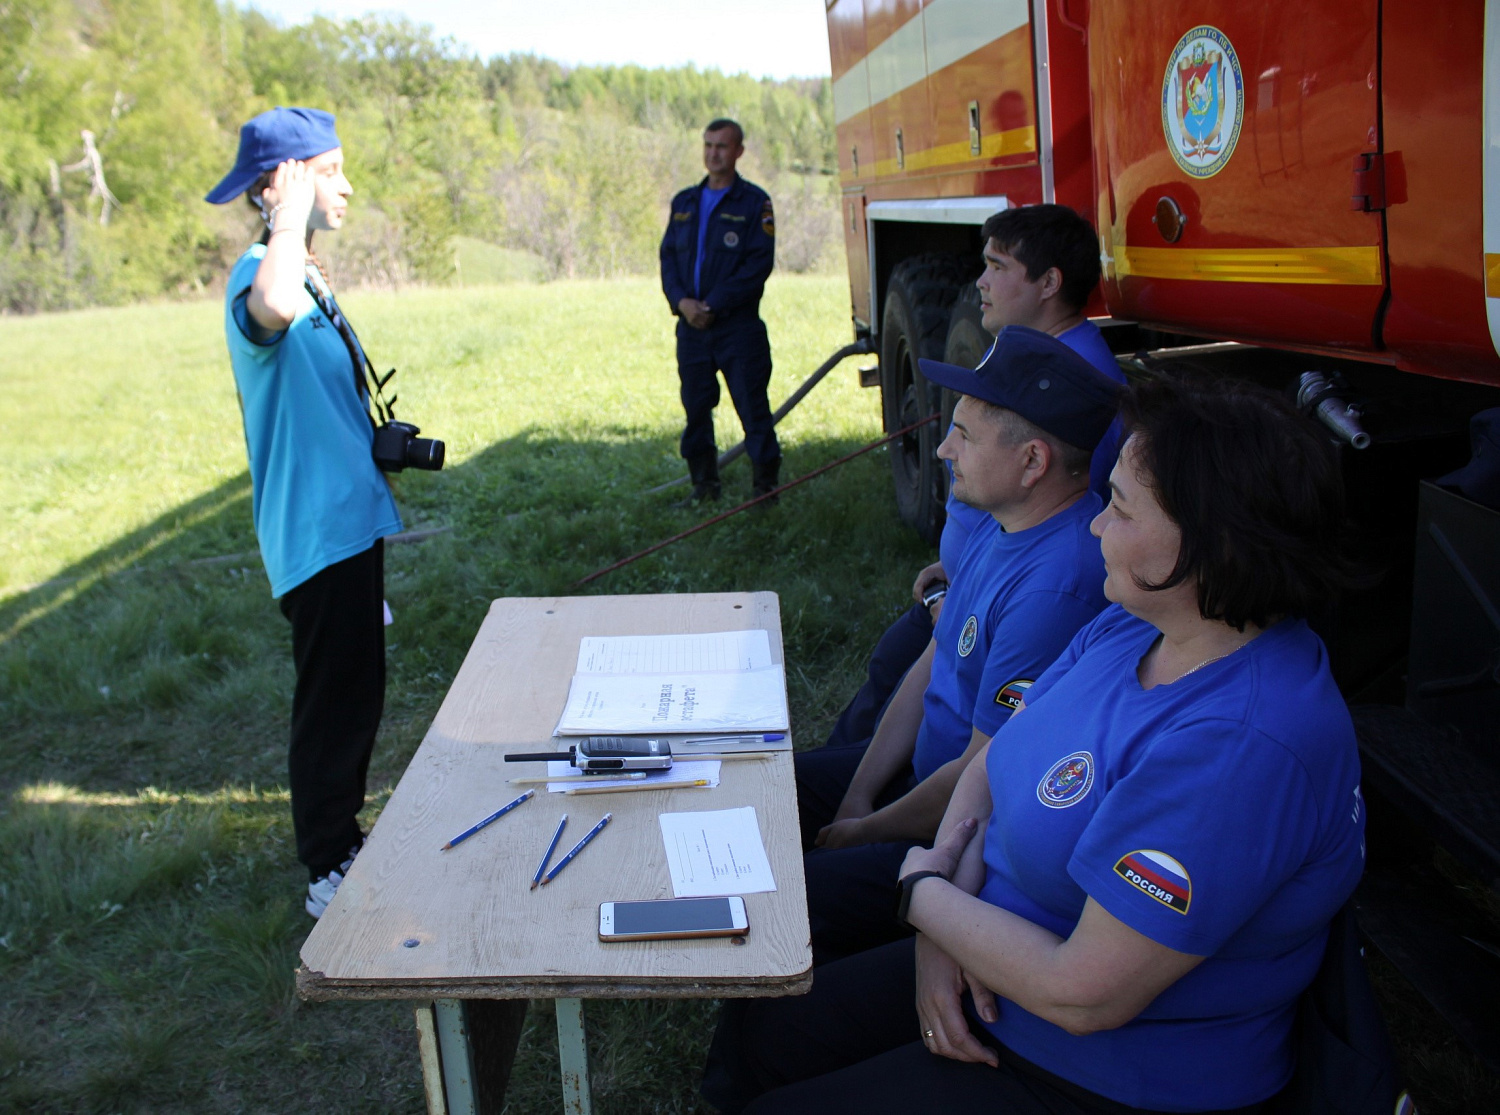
<point x="704" y="471"/>
<point x="765" y="478"/>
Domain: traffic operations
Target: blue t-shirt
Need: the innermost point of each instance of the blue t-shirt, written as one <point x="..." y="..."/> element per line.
<point x="1015" y="603"/>
<point x="1218" y="815"/>
<point x="1086" y="340"/>
<point x="317" y="495"/>
<point x="706" y="205"/>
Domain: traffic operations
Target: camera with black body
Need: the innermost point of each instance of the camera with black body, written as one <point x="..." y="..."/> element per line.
<point x="398" y="447"/>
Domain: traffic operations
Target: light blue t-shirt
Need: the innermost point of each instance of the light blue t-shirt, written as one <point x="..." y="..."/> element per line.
<point x="1218" y="815"/>
<point x="317" y="495"/>
<point x="1086" y="340"/>
<point x="1014" y="605"/>
<point x="707" y="202"/>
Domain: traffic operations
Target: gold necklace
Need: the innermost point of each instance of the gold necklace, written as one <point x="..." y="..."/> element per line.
<point x="1206" y="662"/>
<point x="1199" y="666"/>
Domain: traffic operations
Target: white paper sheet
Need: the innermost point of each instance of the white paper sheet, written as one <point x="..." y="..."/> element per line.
<point x="678" y="772"/>
<point x="739" y="701"/>
<point x="708" y="652"/>
<point x="714" y="853"/>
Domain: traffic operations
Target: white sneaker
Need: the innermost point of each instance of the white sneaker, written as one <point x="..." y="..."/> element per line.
<point x="320" y="892"/>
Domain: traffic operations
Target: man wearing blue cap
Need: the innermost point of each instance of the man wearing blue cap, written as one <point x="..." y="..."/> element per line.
<point x="321" y="506"/>
<point x="1030" y="577"/>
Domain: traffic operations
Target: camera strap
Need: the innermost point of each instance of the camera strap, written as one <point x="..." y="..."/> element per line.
<point x="367" y="385"/>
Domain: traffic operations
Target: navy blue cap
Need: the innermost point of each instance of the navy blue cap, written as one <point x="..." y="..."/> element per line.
<point x="1042" y="380"/>
<point x="1479" y="480"/>
<point x="271" y="139"/>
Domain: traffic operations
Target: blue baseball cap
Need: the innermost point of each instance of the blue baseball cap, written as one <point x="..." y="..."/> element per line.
<point x="271" y="139"/>
<point x="1042" y="380"/>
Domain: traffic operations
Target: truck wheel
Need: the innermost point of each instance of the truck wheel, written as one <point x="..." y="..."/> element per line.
<point x="968" y="341"/>
<point x="914" y="327"/>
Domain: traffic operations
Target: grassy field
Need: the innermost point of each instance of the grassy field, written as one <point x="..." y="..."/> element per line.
<point x="150" y="911"/>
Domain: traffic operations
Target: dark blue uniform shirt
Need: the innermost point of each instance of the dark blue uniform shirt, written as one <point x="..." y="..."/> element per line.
<point x="739" y="250"/>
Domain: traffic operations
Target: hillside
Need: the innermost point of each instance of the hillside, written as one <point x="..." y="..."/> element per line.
<point x="570" y="167"/>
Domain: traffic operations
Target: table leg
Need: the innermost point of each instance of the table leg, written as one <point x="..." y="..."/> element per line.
<point x="453" y="1048"/>
<point x="432" y="1069"/>
<point x="573" y="1055"/>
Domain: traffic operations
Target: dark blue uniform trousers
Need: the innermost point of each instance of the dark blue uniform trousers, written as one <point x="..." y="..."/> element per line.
<point x="742" y="351"/>
<point x="853" y="1044"/>
<point x="851" y="897"/>
<point x="851" y="892"/>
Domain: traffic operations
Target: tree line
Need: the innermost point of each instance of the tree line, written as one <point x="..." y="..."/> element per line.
<point x="117" y="117"/>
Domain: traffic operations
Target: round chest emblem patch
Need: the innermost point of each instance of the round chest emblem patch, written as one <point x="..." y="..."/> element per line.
<point x="731" y="239"/>
<point x="1202" y="101"/>
<point x="967" y="636"/>
<point x="1067" y="782"/>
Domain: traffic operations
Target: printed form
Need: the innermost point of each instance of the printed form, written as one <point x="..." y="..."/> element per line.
<point x="713" y="652"/>
<point x="723" y="681"/>
<point x="716" y="853"/>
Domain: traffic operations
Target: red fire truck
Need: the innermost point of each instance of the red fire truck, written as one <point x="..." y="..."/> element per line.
<point x="1303" y="193"/>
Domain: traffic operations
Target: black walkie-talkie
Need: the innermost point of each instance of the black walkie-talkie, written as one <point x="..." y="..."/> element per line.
<point x="605" y="754"/>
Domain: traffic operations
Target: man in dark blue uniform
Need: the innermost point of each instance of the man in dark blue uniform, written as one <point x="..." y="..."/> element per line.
<point x="717" y="253"/>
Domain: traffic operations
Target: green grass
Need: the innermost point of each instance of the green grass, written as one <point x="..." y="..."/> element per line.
<point x="149" y="911"/>
<point x="477" y="263"/>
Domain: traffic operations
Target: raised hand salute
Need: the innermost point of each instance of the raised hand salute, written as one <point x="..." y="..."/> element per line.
<point x="302" y="197"/>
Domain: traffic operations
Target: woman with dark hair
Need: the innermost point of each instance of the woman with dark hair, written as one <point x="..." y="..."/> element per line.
<point x="321" y="505"/>
<point x="1164" y="831"/>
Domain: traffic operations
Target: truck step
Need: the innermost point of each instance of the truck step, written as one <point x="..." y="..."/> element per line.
<point x="1433" y="775"/>
<point x="1442" y="950"/>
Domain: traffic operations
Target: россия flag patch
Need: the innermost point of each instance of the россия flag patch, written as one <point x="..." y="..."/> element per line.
<point x="1158" y="875"/>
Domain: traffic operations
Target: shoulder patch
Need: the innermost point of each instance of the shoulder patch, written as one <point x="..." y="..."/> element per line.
<point x="1159" y="876"/>
<point x="768" y="218"/>
<point x="1012" y="693"/>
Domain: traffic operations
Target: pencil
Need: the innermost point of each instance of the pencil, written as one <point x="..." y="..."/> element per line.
<point x="754" y="737"/>
<point x="556" y="836"/>
<point x="567" y="859"/>
<point x="495" y="816"/>
<point x="633" y="775"/>
<point x="725" y="757"/>
<point x="637" y="786"/>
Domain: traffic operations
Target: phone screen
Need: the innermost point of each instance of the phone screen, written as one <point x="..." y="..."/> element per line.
<point x="672" y="914"/>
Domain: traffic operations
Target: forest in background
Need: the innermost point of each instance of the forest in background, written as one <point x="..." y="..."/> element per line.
<point x="566" y="170"/>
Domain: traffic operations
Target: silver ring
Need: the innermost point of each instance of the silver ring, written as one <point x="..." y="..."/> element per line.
<point x="927" y="1034"/>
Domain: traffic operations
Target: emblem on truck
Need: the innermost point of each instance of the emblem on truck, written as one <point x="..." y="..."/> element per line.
<point x="1202" y="101"/>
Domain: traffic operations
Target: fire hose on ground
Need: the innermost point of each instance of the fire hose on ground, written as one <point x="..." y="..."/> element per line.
<point x="758" y="499"/>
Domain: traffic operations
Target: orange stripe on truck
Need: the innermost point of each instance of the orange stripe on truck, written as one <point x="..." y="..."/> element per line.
<point x="1327" y="266"/>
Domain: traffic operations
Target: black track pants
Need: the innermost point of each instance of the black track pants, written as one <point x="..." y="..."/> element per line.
<point x="338" y="645"/>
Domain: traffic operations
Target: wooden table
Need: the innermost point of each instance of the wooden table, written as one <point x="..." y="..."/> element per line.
<point x="462" y="927"/>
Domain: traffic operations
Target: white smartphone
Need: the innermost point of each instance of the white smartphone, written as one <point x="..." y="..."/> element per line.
<point x="672" y="917"/>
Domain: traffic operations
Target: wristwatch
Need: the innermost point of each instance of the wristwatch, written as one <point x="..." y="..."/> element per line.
<point x="908" y="883"/>
<point x="935" y="592"/>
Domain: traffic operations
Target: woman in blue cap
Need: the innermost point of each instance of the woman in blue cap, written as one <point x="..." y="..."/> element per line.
<point x="321" y="505"/>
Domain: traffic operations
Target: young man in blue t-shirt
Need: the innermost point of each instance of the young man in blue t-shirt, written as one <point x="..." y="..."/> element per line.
<point x="1029" y="578"/>
<point x="1041" y="264"/>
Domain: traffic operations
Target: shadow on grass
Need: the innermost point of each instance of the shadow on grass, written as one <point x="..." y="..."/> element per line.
<point x="148" y="894"/>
